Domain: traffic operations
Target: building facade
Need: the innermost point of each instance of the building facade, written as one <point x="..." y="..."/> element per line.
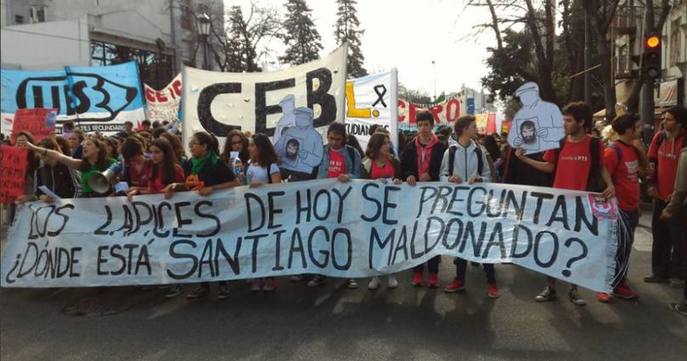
<point x="160" y="35"/>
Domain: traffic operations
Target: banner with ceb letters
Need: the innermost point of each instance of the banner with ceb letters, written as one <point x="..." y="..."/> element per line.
<point x="348" y="230"/>
<point x="163" y="104"/>
<point x="96" y="98"/>
<point x="218" y="102"/>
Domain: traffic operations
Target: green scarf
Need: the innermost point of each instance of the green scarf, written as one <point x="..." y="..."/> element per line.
<point x="198" y="163"/>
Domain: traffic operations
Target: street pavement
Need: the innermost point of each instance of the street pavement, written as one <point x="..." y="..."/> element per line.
<point x="335" y="323"/>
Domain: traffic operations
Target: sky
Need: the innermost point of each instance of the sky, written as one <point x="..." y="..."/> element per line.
<point x="408" y="35"/>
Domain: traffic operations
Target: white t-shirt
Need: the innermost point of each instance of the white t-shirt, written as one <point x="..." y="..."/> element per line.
<point x="258" y="173"/>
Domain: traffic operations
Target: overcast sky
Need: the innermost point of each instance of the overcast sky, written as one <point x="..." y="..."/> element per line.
<point x="408" y="35"/>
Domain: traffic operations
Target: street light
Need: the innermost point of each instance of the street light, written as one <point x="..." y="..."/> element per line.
<point x="434" y="76"/>
<point x="203" y="27"/>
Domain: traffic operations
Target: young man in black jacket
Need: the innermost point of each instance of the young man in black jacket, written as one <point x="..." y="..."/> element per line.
<point x="420" y="161"/>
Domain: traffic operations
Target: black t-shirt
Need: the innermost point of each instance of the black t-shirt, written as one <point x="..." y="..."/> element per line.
<point x="211" y="175"/>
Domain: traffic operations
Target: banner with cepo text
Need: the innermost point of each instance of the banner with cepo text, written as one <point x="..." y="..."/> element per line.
<point x="163" y="104"/>
<point x="346" y="230"/>
<point x="97" y="98"/>
<point x="218" y="102"/>
<point x="371" y="100"/>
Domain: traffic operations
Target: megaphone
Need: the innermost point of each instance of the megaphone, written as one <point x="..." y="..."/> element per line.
<point x="100" y="182"/>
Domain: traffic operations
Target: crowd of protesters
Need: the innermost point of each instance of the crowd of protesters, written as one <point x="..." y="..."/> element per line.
<point x="152" y="160"/>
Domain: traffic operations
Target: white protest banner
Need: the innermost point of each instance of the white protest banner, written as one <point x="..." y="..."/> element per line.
<point x="219" y="102"/>
<point x="348" y="230"/>
<point x="444" y="113"/>
<point x="163" y="104"/>
<point x="371" y="100"/>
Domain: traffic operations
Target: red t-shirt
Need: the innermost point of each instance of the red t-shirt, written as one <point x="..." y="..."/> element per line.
<point x="624" y="173"/>
<point x="574" y="163"/>
<point x="136" y="173"/>
<point x="377" y="172"/>
<point x="337" y="163"/>
<point x="666" y="159"/>
<point x="156" y="185"/>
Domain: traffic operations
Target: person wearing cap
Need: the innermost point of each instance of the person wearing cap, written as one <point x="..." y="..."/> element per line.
<point x="300" y="147"/>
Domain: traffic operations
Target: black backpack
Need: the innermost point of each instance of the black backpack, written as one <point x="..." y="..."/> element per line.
<point x="452" y="158"/>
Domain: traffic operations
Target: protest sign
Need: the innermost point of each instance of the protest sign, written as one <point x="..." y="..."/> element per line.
<point x="98" y="98"/>
<point x="13" y="164"/>
<point x="444" y="113"/>
<point x="163" y="104"/>
<point x="218" y="102"/>
<point x="39" y="122"/>
<point x="348" y="230"/>
<point x="538" y="125"/>
<point x="371" y="100"/>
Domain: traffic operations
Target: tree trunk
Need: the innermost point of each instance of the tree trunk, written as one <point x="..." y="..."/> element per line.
<point x="607" y="76"/>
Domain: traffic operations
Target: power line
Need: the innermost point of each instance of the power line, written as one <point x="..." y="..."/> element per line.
<point x="45" y="35"/>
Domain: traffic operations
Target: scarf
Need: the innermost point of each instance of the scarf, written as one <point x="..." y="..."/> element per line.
<point x="198" y="163"/>
<point x="424" y="153"/>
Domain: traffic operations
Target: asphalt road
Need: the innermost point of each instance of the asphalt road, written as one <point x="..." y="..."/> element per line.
<point x="334" y="323"/>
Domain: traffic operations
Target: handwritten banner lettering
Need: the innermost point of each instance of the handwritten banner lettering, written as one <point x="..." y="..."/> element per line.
<point x="13" y="164"/>
<point x="348" y="230"/>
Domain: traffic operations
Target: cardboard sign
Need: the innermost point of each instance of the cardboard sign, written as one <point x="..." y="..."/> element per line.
<point x="13" y="169"/>
<point x="40" y="122"/>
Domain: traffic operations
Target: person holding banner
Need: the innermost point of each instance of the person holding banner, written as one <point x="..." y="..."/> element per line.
<point x="161" y="170"/>
<point x="421" y="161"/>
<point x="263" y="168"/>
<point x="467" y="162"/>
<point x="236" y="142"/>
<point x="576" y="165"/>
<point x="205" y="173"/>
<point x="339" y="161"/>
<point x="623" y="162"/>
<point x="176" y="146"/>
<point x="380" y="164"/>
<point x="134" y="163"/>
<point x="94" y="161"/>
<point x="33" y="162"/>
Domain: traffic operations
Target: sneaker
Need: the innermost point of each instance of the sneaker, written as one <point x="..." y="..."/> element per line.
<point x="269" y="285"/>
<point x="493" y="290"/>
<point x="392" y="282"/>
<point x="316" y="281"/>
<point x="417" y="279"/>
<point x="548" y="294"/>
<point x="433" y="280"/>
<point x="173" y="291"/>
<point x="296" y="278"/>
<point x="603" y="297"/>
<point x="374" y="283"/>
<point x="222" y="293"/>
<point x="352" y="284"/>
<point x="680" y="308"/>
<point x="256" y="286"/>
<point x="455" y="286"/>
<point x="574" y="297"/>
<point x="655" y="279"/>
<point x="625" y="292"/>
<point x="200" y="292"/>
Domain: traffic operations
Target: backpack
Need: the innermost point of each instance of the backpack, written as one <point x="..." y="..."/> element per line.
<point x="452" y="157"/>
<point x="594" y="181"/>
<point x="619" y="152"/>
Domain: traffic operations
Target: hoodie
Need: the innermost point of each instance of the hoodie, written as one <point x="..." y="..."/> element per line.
<point x="465" y="163"/>
<point x="416" y="159"/>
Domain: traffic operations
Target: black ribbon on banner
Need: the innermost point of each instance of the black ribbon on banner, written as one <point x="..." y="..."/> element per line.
<point x="381" y="91"/>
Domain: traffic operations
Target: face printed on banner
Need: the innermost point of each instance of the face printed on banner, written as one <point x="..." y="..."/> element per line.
<point x="156" y="154"/>
<point x="292" y="147"/>
<point x="528" y="132"/>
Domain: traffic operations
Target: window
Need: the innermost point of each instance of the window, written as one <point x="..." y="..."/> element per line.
<point x="18" y="19"/>
<point x="674" y="56"/>
<point x="37" y="14"/>
<point x="155" y="68"/>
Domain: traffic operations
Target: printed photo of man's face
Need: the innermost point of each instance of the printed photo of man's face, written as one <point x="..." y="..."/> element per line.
<point x="528" y="132"/>
<point x="292" y="147"/>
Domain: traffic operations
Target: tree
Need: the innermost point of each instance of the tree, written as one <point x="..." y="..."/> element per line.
<point x="413" y="95"/>
<point x="510" y="65"/>
<point x="244" y="34"/>
<point x="346" y="31"/>
<point x="300" y="34"/>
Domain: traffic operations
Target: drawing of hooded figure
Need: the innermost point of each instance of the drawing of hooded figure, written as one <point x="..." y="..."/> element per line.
<point x="545" y="116"/>
<point x="300" y="147"/>
<point x="288" y="118"/>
